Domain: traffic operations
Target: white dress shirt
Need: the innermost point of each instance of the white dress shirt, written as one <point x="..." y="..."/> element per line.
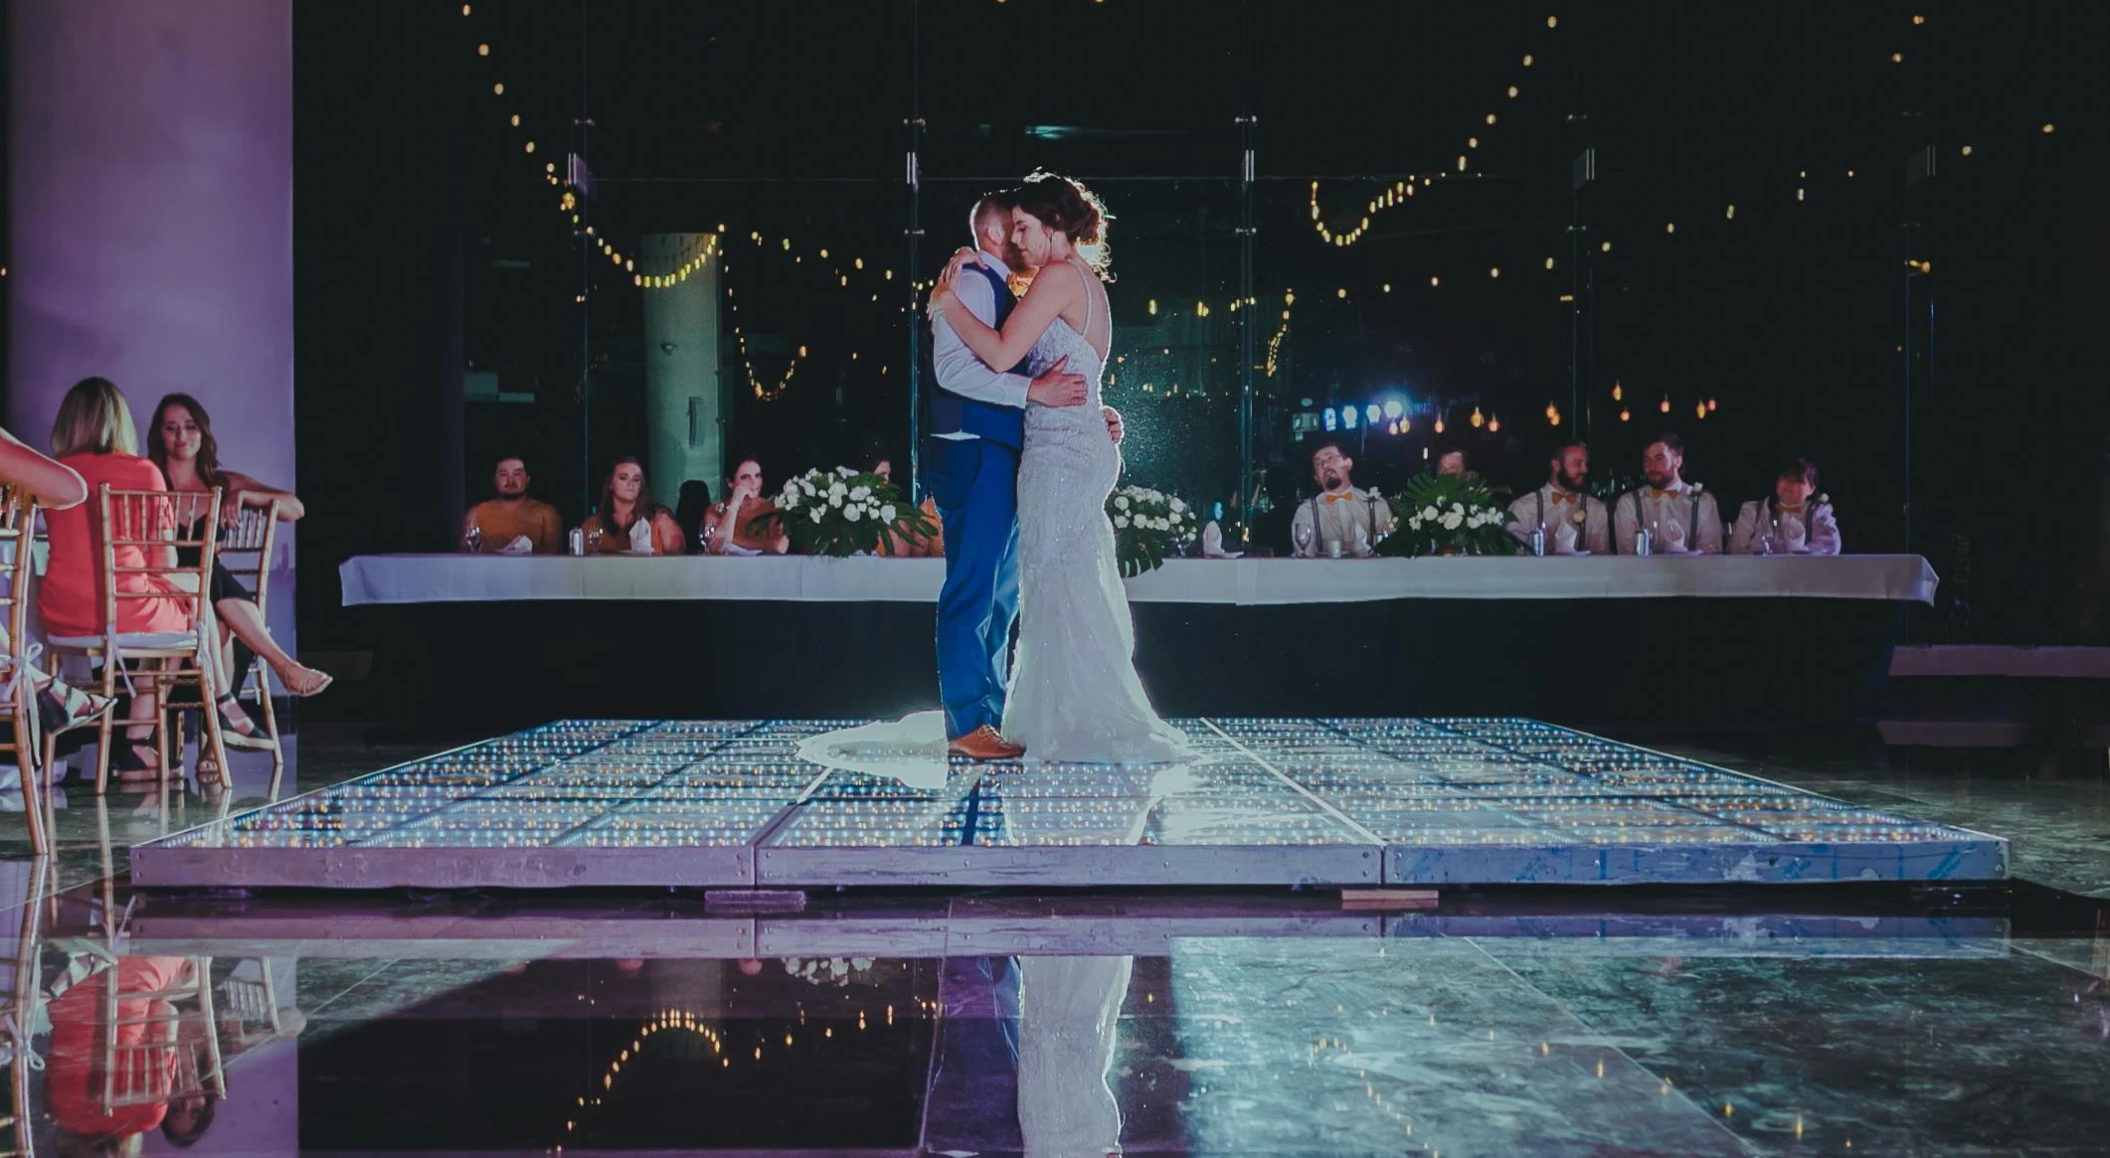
<point x="1808" y="530"/>
<point x="1669" y="519"/>
<point x="1349" y="517"/>
<point x="1563" y="537"/>
<point x="959" y="369"/>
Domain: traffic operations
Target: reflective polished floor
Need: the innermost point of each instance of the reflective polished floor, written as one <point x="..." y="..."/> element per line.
<point x="1891" y="1019"/>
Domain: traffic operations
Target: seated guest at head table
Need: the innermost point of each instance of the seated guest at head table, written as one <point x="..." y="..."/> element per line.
<point x="1568" y="520"/>
<point x="1341" y="513"/>
<point x="689" y="510"/>
<point x="730" y="527"/>
<point x="1272" y="533"/>
<point x="1680" y="519"/>
<point x="512" y="523"/>
<point x="1795" y="521"/>
<point x="902" y="544"/>
<point x="627" y="521"/>
<point x="1452" y="462"/>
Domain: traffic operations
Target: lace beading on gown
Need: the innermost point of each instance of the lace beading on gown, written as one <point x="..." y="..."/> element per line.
<point x="1074" y="693"/>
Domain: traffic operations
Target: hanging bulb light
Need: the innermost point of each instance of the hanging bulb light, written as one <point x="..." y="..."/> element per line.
<point x="1618" y="392"/>
<point x="1494" y="426"/>
<point x="1551" y="411"/>
<point x="1478" y="419"/>
<point x="1439" y="424"/>
<point x="1701" y="410"/>
<point x="1625" y="415"/>
<point x="1665" y="407"/>
<point x="1712" y="406"/>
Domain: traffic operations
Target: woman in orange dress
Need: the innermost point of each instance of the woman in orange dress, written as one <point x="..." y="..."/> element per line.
<point x="147" y="1057"/>
<point x="625" y="499"/>
<point x="94" y="436"/>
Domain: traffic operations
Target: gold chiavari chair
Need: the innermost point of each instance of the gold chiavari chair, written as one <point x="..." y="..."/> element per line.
<point x="20" y="999"/>
<point x="160" y="1061"/>
<point x="246" y="550"/>
<point x="157" y="1049"/>
<point x="18" y="737"/>
<point x="145" y="521"/>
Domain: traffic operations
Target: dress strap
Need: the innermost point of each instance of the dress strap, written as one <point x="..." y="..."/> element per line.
<point x="1087" y="280"/>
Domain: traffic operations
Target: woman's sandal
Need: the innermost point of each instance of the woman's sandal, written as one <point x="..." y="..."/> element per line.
<point x="314" y="689"/>
<point x="62" y="707"/>
<point x="135" y="759"/>
<point x="234" y="718"/>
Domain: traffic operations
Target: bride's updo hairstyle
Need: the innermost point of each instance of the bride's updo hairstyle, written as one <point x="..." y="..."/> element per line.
<point x="1064" y="203"/>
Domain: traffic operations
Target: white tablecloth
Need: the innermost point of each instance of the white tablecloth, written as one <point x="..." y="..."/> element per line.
<point x="372" y="579"/>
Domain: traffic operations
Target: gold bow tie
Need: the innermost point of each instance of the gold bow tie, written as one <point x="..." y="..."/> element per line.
<point x="1342" y="497"/>
<point x="1791" y="510"/>
<point x="1560" y="497"/>
<point x="1661" y="495"/>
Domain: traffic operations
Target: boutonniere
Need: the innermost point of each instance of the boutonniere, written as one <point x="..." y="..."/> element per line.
<point x="1822" y="501"/>
<point x="1578" y="516"/>
<point x="1695" y="490"/>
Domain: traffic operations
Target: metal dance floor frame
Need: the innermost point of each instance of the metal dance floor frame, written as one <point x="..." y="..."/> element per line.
<point x="1341" y="803"/>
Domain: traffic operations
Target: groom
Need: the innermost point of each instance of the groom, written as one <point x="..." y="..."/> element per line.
<point x="976" y="421"/>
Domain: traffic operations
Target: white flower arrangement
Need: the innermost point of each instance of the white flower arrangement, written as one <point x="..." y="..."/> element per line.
<point x="846" y="512"/>
<point x="1148" y="525"/>
<point x="1451" y="515"/>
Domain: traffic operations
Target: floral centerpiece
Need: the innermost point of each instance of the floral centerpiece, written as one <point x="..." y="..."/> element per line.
<point x="1148" y="525"/>
<point x="1449" y="515"/>
<point x="840" y="513"/>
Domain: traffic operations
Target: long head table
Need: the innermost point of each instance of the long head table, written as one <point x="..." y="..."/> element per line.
<point x="379" y="579"/>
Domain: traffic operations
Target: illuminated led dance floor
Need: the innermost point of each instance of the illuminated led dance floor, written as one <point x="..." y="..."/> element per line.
<point x="1345" y="803"/>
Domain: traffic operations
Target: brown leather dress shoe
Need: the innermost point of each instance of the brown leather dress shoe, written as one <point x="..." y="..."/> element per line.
<point x="985" y="743"/>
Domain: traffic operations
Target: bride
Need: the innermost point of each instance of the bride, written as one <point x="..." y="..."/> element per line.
<point x="1074" y="693"/>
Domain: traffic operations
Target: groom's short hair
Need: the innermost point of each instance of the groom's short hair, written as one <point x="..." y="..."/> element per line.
<point x="996" y="204"/>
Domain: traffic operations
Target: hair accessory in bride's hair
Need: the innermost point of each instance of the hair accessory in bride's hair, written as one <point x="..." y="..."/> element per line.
<point x="1064" y="203"/>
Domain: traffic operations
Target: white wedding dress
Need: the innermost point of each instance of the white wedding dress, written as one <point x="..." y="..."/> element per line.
<point x="1074" y="694"/>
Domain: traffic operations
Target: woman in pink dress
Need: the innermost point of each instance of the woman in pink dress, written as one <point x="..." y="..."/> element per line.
<point x="95" y="437"/>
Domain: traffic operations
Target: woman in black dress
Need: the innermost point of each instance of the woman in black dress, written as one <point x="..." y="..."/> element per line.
<point x="183" y="446"/>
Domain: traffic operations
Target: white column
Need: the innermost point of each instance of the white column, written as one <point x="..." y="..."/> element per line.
<point x="682" y="400"/>
<point x="151" y="193"/>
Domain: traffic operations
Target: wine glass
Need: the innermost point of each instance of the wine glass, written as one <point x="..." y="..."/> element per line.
<point x="473" y="538"/>
<point x="1303" y="533"/>
<point x="593" y="541"/>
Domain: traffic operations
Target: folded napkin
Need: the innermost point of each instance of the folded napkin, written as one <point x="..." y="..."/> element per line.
<point x="1213" y="543"/>
<point x="521" y="545"/>
<point x="737" y="549"/>
<point x="641" y="537"/>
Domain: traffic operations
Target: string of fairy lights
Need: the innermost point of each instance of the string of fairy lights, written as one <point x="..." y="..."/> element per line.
<point x="1402" y="191"/>
<point x="875" y="281"/>
<point x="684" y="1021"/>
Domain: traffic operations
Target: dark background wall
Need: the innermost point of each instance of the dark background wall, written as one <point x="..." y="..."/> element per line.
<point x="428" y="243"/>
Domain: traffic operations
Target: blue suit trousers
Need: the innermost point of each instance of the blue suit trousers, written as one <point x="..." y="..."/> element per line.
<point x="975" y="483"/>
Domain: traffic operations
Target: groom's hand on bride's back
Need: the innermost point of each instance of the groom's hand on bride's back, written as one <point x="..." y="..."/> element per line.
<point x="1057" y="386"/>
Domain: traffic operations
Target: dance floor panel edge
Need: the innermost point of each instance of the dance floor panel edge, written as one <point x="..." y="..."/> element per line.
<point x="1341" y="803"/>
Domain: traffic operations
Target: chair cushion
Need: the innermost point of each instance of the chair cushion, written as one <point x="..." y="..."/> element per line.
<point x="162" y="640"/>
